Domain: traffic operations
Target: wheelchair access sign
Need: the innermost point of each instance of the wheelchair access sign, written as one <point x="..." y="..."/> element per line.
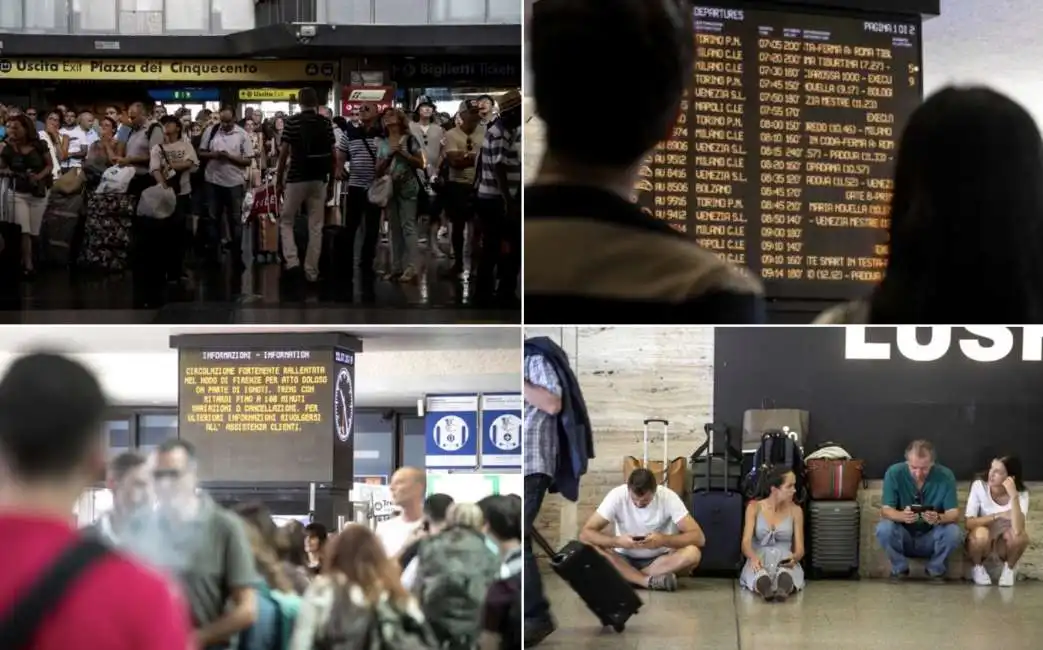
<point x="451" y="431"/>
<point x="501" y="431"/>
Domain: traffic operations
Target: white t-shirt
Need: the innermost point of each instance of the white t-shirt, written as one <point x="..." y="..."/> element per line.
<point x="78" y="137"/>
<point x="661" y="515"/>
<point x="980" y="503"/>
<point x="394" y="533"/>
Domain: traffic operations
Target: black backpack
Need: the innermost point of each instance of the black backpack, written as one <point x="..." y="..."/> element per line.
<point x="315" y="151"/>
<point x="777" y="449"/>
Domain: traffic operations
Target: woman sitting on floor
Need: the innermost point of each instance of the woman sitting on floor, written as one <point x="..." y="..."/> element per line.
<point x="996" y="511"/>
<point x="773" y="539"/>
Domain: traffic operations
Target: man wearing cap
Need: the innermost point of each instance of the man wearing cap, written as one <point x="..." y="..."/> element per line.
<point x="462" y="145"/>
<point x="499" y="202"/>
<point x="486" y="109"/>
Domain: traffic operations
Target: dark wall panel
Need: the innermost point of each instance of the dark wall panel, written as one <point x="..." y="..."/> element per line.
<point x="970" y="409"/>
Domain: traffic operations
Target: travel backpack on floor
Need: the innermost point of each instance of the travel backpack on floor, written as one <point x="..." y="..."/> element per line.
<point x="777" y="449"/>
<point x="455" y="569"/>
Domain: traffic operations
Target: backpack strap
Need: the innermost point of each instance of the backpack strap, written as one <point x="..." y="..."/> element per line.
<point x="22" y="621"/>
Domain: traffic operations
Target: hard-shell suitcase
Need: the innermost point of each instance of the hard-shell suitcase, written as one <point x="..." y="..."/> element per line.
<point x="833" y="538"/>
<point x="669" y="472"/>
<point x="707" y="463"/>
<point x="720" y="514"/>
<point x="612" y="599"/>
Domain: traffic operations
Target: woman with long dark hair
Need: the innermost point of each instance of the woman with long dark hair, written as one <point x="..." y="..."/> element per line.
<point x="359" y="588"/>
<point x="773" y="538"/>
<point x="28" y="161"/>
<point x="995" y="514"/>
<point x="966" y="218"/>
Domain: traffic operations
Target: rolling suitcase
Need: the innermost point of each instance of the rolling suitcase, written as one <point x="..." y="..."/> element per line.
<point x="612" y="599"/>
<point x="720" y="514"/>
<point x="833" y="534"/>
<point x="671" y="473"/>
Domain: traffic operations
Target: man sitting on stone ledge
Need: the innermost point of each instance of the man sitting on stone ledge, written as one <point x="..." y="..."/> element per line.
<point x="655" y="537"/>
<point x="919" y="513"/>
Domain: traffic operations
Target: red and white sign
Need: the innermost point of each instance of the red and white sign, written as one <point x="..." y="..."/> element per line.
<point x="355" y="96"/>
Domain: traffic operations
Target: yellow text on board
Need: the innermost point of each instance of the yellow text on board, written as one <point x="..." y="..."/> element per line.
<point x="168" y="70"/>
<point x="268" y="94"/>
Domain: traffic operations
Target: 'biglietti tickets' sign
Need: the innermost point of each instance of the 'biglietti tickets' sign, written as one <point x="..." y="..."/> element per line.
<point x="167" y="70"/>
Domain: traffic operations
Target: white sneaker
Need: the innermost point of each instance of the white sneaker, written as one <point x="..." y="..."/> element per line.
<point x="1007" y="577"/>
<point x="981" y="576"/>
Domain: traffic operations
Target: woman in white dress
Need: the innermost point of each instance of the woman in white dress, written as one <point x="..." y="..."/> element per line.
<point x="996" y="511"/>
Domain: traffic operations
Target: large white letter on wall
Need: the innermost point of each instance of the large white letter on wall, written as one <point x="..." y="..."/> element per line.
<point x="910" y="348"/>
<point x="857" y="347"/>
<point x="1002" y="343"/>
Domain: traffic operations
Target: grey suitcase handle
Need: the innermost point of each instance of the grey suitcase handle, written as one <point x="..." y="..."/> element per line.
<point x="666" y="444"/>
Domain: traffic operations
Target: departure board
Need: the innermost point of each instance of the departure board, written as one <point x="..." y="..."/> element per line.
<point x="782" y="158"/>
<point x="259" y="415"/>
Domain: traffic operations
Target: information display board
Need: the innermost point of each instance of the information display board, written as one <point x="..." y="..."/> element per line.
<point x="262" y="414"/>
<point x="782" y="158"/>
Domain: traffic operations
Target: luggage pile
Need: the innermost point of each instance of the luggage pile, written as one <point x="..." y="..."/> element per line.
<point x="834" y="514"/>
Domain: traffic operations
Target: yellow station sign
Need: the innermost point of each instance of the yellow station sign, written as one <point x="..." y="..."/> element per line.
<point x="268" y="94"/>
<point x="167" y="70"/>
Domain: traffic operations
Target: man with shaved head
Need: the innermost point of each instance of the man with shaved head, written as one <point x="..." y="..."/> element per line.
<point x="408" y="487"/>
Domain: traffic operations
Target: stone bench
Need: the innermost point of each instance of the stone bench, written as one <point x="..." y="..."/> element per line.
<point x="873" y="560"/>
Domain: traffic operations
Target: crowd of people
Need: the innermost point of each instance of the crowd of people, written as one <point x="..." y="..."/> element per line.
<point x="950" y="183"/>
<point x="242" y="188"/>
<point x="169" y="568"/>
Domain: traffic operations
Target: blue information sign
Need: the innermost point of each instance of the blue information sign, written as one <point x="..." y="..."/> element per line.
<point x="501" y="431"/>
<point x="451" y="431"/>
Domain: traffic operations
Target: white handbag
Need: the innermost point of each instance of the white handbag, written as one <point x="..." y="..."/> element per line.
<point x="115" y="180"/>
<point x="157" y="202"/>
<point x="379" y="192"/>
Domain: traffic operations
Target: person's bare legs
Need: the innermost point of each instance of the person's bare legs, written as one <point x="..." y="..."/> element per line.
<point x="627" y="570"/>
<point x="682" y="560"/>
<point x="979" y="544"/>
<point x="1010" y="548"/>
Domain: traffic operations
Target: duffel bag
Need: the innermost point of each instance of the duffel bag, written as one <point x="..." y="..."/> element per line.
<point x="834" y="480"/>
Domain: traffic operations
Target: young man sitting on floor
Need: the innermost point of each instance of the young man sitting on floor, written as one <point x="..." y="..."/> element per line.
<point x="655" y="537"/>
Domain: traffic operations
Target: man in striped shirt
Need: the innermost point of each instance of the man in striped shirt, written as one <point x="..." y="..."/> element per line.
<point x="499" y="202"/>
<point x="358" y="146"/>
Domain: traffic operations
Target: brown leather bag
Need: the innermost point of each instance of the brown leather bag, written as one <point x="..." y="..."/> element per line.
<point x="834" y="480"/>
<point x="671" y="473"/>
